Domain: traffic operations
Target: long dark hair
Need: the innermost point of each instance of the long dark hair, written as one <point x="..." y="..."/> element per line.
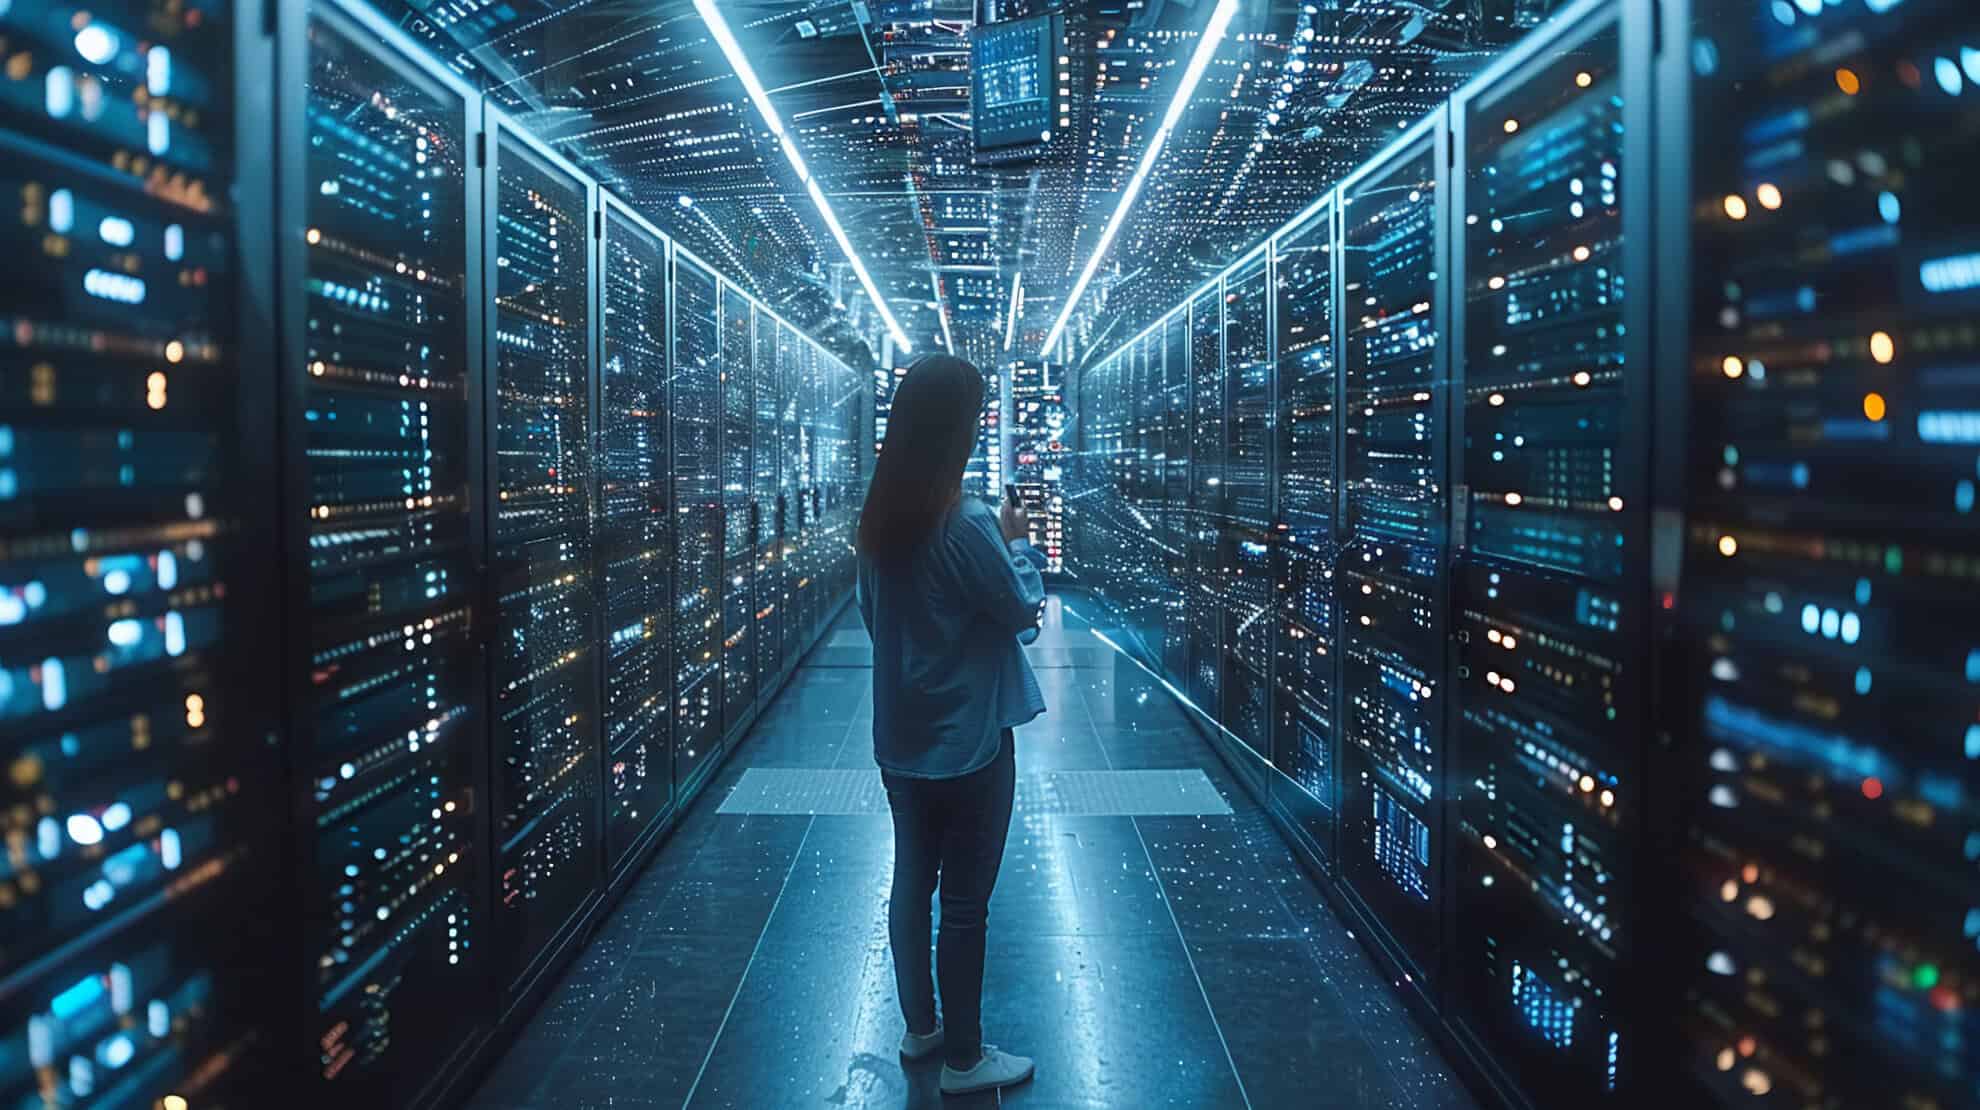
<point x="931" y="432"/>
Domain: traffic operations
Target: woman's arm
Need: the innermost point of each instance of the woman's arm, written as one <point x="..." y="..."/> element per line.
<point x="1005" y="583"/>
<point x="863" y="595"/>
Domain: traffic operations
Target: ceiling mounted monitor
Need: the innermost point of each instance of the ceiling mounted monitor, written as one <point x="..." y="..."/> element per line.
<point x="1013" y="86"/>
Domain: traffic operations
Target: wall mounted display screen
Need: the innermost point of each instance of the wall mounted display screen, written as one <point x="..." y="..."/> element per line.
<point x="129" y="810"/>
<point x="1549" y="625"/>
<point x="695" y="393"/>
<point x="1013" y="90"/>
<point x="543" y="652"/>
<point x="635" y="533"/>
<point x="395" y="713"/>
<point x="1391" y="579"/>
<point x="1832" y="553"/>
<point x="1309" y="488"/>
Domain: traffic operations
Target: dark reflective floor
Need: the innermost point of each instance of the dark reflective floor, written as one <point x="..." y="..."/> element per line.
<point x="1145" y="961"/>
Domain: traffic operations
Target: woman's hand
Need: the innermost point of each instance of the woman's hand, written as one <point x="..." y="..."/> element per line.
<point x="1015" y="522"/>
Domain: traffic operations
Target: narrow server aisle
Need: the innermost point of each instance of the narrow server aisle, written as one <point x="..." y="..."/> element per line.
<point x="1509" y="471"/>
<point x="1154" y="941"/>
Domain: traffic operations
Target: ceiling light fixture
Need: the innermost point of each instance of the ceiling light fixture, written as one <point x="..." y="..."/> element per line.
<point x="1206" y="48"/>
<point x="718" y="28"/>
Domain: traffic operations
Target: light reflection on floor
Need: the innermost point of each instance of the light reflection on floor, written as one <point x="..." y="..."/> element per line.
<point x="1146" y="962"/>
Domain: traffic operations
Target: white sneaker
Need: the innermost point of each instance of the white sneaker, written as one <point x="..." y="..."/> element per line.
<point x="915" y="1047"/>
<point x="997" y="1069"/>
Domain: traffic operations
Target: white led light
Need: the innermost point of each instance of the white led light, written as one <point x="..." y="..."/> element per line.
<point x="1206" y="48"/>
<point x="718" y="29"/>
<point x="941" y="311"/>
<point x="1017" y="306"/>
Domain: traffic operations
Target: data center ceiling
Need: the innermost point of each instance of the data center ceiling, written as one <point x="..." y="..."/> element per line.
<point x="877" y="95"/>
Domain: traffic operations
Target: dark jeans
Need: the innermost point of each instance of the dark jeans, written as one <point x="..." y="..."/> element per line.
<point x="951" y="830"/>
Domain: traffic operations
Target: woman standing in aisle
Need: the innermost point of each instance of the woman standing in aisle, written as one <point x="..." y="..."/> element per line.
<point x="948" y="588"/>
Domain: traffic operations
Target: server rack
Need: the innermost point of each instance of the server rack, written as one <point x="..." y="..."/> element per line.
<point x="384" y="555"/>
<point x="635" y="530"/>
<point x="738" y="434"/>
<point x="261" y="633"/>
<point x="767" y="569"/>
<point x="1244" y="550"/>
<point x="1204" y="612"/>
<point x="1305" y="734"/>
<point x="1828" y="682"/>
<point x="543" y="679"/>
<point x="1550" y="597"/>
<point x="1394" y="468"/>
<point x="1535" y="986"/>
<point x="136" y="686"/>
<point x="1172" y="650"/>
<point x="695" y="389"/>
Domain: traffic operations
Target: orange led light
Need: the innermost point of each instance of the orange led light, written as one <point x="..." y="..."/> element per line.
<point x="1873" y="406"/>
<point x="1847" y="81"/>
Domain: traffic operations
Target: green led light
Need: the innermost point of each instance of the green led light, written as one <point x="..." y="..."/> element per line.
<point x="1925" y="976"/>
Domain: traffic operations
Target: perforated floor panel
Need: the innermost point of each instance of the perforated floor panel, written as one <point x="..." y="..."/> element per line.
<point x="833" y="793"/>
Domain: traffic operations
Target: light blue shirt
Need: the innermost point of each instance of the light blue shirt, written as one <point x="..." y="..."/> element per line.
<point x="949" y="675"/>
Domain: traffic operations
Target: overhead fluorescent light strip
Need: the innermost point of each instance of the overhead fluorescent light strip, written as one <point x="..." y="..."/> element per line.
<point x="718" y="28"/>
<point x="1199" y="61"/>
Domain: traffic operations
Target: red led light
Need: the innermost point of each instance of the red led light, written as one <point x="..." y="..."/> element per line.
<point x="1873" y="788"/>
